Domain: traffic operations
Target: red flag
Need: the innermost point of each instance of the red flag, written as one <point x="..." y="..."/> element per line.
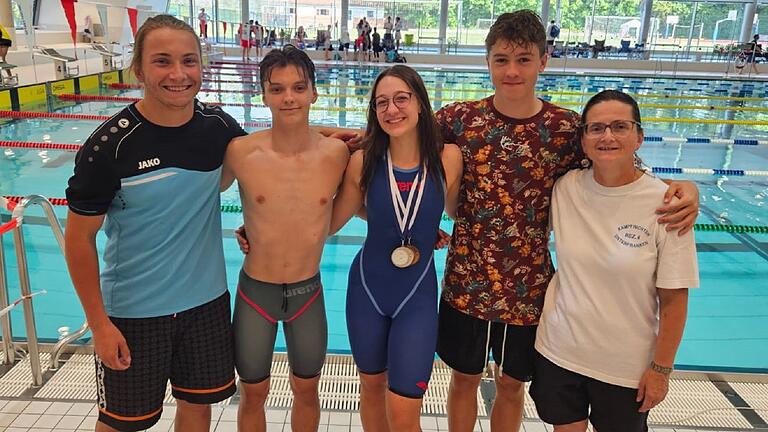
<point x="133" y="20"/>
<point x="69" y="12"/>
<point x="225" y="28"/>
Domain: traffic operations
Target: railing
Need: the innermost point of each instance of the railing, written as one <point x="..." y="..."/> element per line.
<point x="15" y="226"/>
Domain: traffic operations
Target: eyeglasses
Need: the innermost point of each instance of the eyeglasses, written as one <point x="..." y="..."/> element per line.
<point x="619" y="128"/>
<point x="401" y="100"/>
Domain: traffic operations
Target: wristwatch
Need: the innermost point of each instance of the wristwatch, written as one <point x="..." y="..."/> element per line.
<point x="660" y="369"/>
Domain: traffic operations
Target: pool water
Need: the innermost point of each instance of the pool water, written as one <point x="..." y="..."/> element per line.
<point x="728" y="316"/>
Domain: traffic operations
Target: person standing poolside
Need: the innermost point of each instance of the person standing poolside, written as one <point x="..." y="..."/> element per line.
<point x="258" y="35"/>
<point x="5" y="44"/>
<point x="614" y="315"/>
<point x="161" y="309"/>
<point x="203" y="19"/>
<point x="246" y="31"/>
<point x="404" y="177"/>
<point x="514" y="146"/>
<point x="397" y="27"/>
<point x="288" y="176"/>
<point x="388" y="26"/>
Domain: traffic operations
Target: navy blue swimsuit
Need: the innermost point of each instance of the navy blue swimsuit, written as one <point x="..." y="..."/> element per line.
<point x="392" y="312"/>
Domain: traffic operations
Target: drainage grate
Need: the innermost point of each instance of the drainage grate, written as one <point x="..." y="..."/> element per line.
<point x="697" y="403"/>
<point x="756" y="395"/>
<point x="74" y="380"/>
<point x="19" y="379"/>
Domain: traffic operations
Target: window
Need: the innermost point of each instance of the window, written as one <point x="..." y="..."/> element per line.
<point x="370" y="13"/>
<point x="291" y="10"/>
<point x="323" y="12"/>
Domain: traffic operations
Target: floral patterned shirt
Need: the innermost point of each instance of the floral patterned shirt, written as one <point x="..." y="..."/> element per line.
<point x="498" y="264"/>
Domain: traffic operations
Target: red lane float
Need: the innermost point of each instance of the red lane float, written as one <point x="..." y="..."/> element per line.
<point x="8" y="204"/>
<point x="93" y="98"/>
<point x="47" y="115"/>
<point x="40" y="145"/>
<point x="9" y="226"/>
<point x="15" y="199"/>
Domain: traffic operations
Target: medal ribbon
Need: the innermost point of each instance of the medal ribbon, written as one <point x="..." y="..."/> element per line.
<point x="403" y="210"/>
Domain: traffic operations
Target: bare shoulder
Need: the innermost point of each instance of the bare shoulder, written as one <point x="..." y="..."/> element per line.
<point x="250" y="142"/>
<point x="335" y="149"/>
<point x="451" y="154"/>
<point x="356" y="162"/>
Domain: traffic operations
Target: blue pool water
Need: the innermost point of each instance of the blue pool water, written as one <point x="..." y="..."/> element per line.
<point x="728" y="316"/>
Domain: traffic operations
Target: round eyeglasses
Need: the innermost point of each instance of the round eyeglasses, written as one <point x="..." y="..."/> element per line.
<point x="619" y="128"/>
<point x="401" y="100"/>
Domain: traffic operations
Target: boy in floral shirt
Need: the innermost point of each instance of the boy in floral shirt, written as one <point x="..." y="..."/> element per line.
<point x="515" y="146"/>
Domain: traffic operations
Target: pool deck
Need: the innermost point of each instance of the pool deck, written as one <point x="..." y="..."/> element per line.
<point x="91" y="63"/>
<point x="66" y="400"/>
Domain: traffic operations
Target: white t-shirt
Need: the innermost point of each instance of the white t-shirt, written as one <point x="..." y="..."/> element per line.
<point x="549" y="31"/>
<point x="398" y="27"/>
<point x="246" y="32"/>
<point x="600" y="310"/>
<point x="388" y="27"/>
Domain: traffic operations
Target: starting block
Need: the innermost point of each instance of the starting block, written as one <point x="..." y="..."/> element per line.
<point x="109" y="60"/>
<point x="60" y="62"/>
<point x="5" y="80"/>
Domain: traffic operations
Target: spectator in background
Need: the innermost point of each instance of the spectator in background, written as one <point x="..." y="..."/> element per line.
<point x="203" y="18"/>
<point x="553" y="31"/>
<point x="398" y="26"/>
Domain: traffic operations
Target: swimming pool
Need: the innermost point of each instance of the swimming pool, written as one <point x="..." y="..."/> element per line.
<point x="728" y="316"/>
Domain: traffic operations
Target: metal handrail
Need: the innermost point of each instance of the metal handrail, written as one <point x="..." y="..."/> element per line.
<point x="24" y="282"/>
<point x="63" y="342"/>
<point x="5" y="320"/>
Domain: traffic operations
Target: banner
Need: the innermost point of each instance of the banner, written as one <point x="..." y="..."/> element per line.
<point x="133" y="20"/>
<point x="225" y="29"/>
<point x="104" y="18"/>
<point x="26" y="8"/>
<point x="69" y="12"/>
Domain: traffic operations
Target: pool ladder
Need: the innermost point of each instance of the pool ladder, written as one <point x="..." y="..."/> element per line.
<point x="33" y="350"/>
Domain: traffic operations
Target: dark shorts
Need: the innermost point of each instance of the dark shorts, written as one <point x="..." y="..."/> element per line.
<point x="192" y="348"/>
<point x="259" y="307"/>
<point x="462" y="341"/>
<point x="5" y="42"/>
<point x="564" y="397"/>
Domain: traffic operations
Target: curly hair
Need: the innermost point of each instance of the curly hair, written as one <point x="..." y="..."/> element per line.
<point x="521" y="28"/>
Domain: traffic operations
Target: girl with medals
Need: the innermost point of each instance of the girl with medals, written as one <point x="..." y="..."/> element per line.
<point x="401" y="181"/>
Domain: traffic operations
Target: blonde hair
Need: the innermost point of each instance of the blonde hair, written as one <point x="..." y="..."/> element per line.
<point x="155" y="23"/>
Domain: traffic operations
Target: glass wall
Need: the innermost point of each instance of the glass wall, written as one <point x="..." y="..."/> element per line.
<point x="698" y="29"/>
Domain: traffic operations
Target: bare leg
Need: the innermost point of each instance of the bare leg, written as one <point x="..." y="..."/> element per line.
<point x="101" y="427"/>
<point x="305" y="414"/>
<point x="403" y="413"/>
<point x="580" y="426"/>
<point x="192" y="417"/>
<point x="507" y="413"/>
<point x="462" y="402"/>
<point x="3" y="54"/>
<point x="250" y="414"/>
<point x="373" y="396"/>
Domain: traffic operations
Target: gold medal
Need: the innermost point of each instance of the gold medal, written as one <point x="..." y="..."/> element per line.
<point x="403" y="256"/>
<point x="415" y="252"/>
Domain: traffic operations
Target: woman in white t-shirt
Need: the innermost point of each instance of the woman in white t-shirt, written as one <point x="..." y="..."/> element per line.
<point x="615" y="310"/>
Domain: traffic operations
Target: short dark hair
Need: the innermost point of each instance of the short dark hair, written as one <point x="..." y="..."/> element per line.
<point x="285" y="56"/>
<point x="613" y="95"/>
<point x="521" y="28"/>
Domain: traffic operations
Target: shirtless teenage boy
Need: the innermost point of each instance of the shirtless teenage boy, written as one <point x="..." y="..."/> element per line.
<point x="287" y="177"/>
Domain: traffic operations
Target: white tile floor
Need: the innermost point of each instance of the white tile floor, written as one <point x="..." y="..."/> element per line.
<point x="40" y="416"/>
